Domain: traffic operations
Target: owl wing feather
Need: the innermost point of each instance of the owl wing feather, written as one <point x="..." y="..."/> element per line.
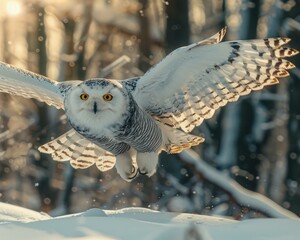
<point x="27" y="84"/>
<point x="81" y="153"/>
<point x="192" y="82"/>
<point x="211" y="40"/>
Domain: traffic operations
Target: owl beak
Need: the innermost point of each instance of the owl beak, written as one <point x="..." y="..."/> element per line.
<point x="95" y="107"/>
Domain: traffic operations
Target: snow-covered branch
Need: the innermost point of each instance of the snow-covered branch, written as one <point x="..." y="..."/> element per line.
<point x="120" y="62"/>
<point x="239" y="194"/>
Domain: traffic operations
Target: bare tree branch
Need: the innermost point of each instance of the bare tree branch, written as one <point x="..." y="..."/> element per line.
<point x="243" y="197"/>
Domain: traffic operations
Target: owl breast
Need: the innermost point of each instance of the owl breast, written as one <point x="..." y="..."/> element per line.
<point x="140" y="131"/>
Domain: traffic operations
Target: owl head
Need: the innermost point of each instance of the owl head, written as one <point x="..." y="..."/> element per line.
<point x="96" y="103"/>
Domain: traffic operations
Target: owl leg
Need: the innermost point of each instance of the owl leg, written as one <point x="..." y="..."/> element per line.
<point x="125" y="166"/>
<point x="147" y="163"/>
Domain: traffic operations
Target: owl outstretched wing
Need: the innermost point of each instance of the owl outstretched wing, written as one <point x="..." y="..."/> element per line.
<point x="81" y="153"/>
<point x="192" y="82"/>
<point x="71" y="146"/>
<point x="27" y="84"/>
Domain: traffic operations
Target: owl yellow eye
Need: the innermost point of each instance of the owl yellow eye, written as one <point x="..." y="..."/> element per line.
<point x="107" y="97"/>
<point x="84" y="96"/>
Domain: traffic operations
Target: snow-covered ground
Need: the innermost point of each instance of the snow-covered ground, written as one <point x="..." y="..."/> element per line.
<point x="138" y="223"/>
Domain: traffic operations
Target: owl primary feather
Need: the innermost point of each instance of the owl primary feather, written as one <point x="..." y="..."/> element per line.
<point x="127" y="123"/>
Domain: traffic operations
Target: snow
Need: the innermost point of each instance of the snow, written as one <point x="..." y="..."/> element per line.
<point x="138" y="223"/>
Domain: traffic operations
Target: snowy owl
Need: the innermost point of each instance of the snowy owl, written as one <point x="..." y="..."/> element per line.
<point x="127" y="123"/>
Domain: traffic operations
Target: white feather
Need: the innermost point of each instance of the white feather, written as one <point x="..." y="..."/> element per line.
<point x="27" y="84"/>
<point x="81" y="153"/>
<point x="204" y="76"/>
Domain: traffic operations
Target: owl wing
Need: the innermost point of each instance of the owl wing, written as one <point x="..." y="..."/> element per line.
<point x="81" y="153"/>
<point x="27" y="84"/>
<point x="192" y="82"/>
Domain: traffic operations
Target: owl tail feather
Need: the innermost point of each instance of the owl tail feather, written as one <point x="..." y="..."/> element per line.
<point x="175" y="140"/>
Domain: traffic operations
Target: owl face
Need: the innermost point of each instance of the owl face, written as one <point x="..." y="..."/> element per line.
<point x="96" y="103"/>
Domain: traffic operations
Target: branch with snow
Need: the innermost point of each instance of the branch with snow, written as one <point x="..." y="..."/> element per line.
<point x="120" y="62"/>
<point x="239" y="194"/>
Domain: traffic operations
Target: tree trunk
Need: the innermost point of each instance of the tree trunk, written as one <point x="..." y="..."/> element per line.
<point x="46" y="193"/>
<point x="177" y="35"/>
<point x="145" y="50"/>
<point x="178" y="27"/>
<point x="293" y="156"/>
<point x="247" y="147"/>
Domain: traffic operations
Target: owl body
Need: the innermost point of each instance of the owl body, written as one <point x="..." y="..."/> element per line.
<point x="117" y="125"/>
<point x="127" y="123"/>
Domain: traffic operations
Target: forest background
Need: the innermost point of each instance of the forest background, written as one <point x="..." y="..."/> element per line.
<point x="255" y="142"/>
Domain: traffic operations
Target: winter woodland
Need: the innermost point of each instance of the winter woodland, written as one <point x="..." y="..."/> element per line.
<point x="249" y="164"/>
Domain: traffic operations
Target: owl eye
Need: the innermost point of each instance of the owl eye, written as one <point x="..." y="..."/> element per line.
<point x="84" y="96"/>
<point x="107" y="97"/>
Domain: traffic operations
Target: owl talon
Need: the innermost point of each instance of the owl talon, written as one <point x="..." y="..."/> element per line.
<point x="125" y="167"/>
<point x="142" y="172"/>
<point x="147" y="163"/>
<point x="133" y="174"/>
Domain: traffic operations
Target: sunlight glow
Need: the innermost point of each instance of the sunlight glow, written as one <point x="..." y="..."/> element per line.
<point x="13" y="7"/>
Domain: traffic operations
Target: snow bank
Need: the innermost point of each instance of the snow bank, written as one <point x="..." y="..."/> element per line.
<point x="138" y="223"/>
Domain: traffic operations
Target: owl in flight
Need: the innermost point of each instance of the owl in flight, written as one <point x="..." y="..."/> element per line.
<point x="127" y="123"/>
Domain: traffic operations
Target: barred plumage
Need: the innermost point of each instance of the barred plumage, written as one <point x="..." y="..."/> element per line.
<point x="140" y="125"/>
<point x="142" y="116"/>
<point x="79" y="151"/>
<point x="203" y="81"/>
